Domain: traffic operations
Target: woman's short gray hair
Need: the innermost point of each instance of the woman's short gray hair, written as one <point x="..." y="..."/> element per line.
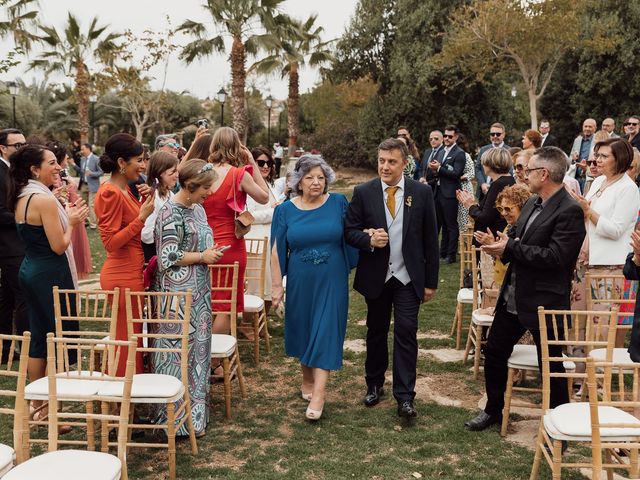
<point x="304" y="165"/>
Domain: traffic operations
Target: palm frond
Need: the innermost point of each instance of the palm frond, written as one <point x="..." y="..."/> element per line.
<point x="201" y="48"/>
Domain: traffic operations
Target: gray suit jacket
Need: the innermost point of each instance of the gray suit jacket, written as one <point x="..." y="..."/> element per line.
<point x="92" y="163"/>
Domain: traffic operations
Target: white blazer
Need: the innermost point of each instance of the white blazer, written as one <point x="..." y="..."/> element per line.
<point x="618" y="207"/>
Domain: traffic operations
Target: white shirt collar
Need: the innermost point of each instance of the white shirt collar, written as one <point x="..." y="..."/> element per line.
<point x="545" y="135"/>
<point x="400" y="184"/>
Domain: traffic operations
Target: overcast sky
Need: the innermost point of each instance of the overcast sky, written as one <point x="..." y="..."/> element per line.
<point x="204" y="77"/>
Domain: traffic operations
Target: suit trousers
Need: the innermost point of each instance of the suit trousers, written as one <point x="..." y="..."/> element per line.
<point x="11" y="300"/>
<point x="504" y="334"/>
<point x="93" y="221"/>
<point x="447" y="218"/>
<point x="405" y="304"/>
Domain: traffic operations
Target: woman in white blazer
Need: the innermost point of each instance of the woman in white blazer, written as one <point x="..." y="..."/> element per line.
<point x="263" y="214"/>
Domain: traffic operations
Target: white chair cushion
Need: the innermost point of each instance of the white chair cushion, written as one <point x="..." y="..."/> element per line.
<point x="222" y="346"/>
<point x="253" y="303"/>
<point x="465" y="295"/>
<point x="68" y="465"/>
<point x="482" y="319"/>
<point x="620" y="355"/>
<point x="6" y="458"/>
<point x="145" y="385"/>
<point x="525" y="357"/>
<point x="65" y="387"/>
<point x="574" y="419"/>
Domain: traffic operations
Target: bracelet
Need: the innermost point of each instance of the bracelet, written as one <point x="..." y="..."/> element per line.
<point x="201" y="257"/>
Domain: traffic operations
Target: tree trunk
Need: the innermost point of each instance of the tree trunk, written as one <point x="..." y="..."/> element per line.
<point x="82" y="100"/>
<point x="292" y="106"/>
<point x="238" y="77"/>
<point x="533" y="108"/>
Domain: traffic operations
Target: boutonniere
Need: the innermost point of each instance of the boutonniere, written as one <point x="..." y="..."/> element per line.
<point x="408" y="200"/>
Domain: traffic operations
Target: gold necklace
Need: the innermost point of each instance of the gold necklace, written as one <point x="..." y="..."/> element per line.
<point x="604" y="187"/>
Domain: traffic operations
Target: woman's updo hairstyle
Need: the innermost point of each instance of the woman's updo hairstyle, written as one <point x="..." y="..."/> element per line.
<point x="120" y="145"/>
<point x="20" y="170"/>
<point x="195" y="173"/>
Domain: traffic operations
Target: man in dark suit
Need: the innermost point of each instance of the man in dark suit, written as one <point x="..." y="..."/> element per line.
<point x="631" y="130"/>
<point x="11" y="247"/>
<point x="391" y="220"/>
<point x="426" y="174"/>
<point x="496" y="135"/>
<point x="448" y="167"/>
<point x="541" y="250"/>
<point x="548" y="140"/>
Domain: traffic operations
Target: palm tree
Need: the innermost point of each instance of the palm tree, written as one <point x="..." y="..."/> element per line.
<point x="20" y="19"/>
<point x="68" y="53"/>
<point x="292" y="44"/>
<point x="239" y="20"/>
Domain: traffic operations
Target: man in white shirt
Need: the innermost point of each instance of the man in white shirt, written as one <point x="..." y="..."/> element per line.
<point x="278" y="156"/>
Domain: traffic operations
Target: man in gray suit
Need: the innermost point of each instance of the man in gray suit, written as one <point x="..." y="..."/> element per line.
<point x="496" y="134"/>
<point x="90" y="169"/>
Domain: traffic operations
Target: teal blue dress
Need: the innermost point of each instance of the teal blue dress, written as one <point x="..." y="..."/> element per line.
<point x="41" y="270"/>
<point x="316" y="260"/>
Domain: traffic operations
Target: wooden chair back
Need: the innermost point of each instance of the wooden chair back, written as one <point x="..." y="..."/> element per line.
<point x="256" y="268"/>
<point x="224" y="291"/>
<point x="466" y="254"/>
<point x="16" y="370"/>
<point x="604" y="292"/>
<point x="583" y="331"/>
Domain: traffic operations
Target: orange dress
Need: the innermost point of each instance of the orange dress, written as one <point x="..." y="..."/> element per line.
<point x="120" y="228"/>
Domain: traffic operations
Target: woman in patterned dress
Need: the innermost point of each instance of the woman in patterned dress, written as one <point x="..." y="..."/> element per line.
<point x="469" y="174"/>
<point x="184" y="242"/>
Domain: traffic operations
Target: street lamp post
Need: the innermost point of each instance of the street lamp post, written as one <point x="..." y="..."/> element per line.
<point x="93" y="98"/>
<point x="269" y="102"/>
<point x="221" y="96"/>
<point x="13" y="90"/>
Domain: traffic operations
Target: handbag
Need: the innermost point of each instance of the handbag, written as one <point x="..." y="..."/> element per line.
<point x="242" y="221"/>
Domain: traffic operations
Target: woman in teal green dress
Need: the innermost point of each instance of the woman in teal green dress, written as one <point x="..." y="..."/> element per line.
<point x="45" y="227"/>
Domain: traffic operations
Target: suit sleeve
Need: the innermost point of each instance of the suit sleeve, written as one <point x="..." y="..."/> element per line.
<point x="631" y="270"/>
<point x="458" y="168"/>
<point x="566" y="239"/>
<point x="480" y="176"/>
<point x="354" y="223"/>
<point x="7" y="217"/>
<point x="94" y="168"/>
<point x="430" y="238"/>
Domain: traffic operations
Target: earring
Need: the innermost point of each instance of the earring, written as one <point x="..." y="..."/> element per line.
<point x="37" y="176"/>
<point x="122" y="171"/>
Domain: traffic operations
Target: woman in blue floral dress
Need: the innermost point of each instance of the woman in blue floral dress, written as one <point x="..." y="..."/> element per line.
<point x="184" y="242"/>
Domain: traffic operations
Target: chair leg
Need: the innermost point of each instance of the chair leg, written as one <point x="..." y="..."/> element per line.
<point x="227" y="386"/>
<point x="478" y="351"/>
<point x="608" y="460"/>
<point x="633" y="461"/>
<point x="171" y="439"/>
<point x="25" y="443"/>
<point x="129" y="427"/>
<point x="556" y="468"/>
<point x="467" y="348"/>
<point x="243" y="390"/>
<point x="507" y="403"/>
<point x="535" y="467"/>
<point x="190" y="427"/>
<point x="104" y="428"/>
<point x="91" y="441"/>
<point x="267" y="340"/>
<point x="459" y="329"/>
<point x="455" y="320"/>
<point x="256" y="338"/>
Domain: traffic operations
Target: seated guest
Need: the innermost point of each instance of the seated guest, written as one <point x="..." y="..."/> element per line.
<point x="496" y="163"/>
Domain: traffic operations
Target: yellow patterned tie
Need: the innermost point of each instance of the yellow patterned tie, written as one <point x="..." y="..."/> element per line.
<point x="391" y="200"/>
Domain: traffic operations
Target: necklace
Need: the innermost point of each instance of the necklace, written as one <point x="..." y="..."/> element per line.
<point x="607" y="185"/>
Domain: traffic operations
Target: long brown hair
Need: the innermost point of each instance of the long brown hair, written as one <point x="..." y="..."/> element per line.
<point x="201" y="148"/>
<point x="160" y="162"/>
<point x="225" y="147"/>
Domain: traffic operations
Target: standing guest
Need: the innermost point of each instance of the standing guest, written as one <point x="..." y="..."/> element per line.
<point x="13" y="309"/>
<point x="79" y="238"/>
<point x="541" y="250"/>
<point x="168" y="142"/>
<point x="91" y="173"/>
<point x="631" y="130"/>
<point x="632" y="272"/>
<point x="426" y="174"/>
<point x="77" y="163"/>
<point x="496" y="137"/>
<point x="497" y="164"/>
<point x="263" y="213"/>
<point x="412" y="167"/>
<point x="531" y="139"/>
<point x="465" y="181"/>
<point x="308" y="246"/>
<point x="520" y="164"/>
<point x="185" y="250"/>
<point x="237" y="176"/>
<point x="581" y="151"/>
<point x="609" y="126"/>
<point x="610" y="211"/>
<point x="44" y="227"/>
<point x="121" y="218"/>
<point x="391" y="220"/>
<point x="201" y="146"/>
<point x="162" y="175"/>
<point x="548" y="140"/>
<point x="448" y="167"/>
<point x="278" y="155"/>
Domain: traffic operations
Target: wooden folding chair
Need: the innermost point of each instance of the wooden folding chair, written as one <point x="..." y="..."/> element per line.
<point x="224" y="283"/>
<point x="159" y="310"/>
<point x="465" y="296"/>
<point x="481" y="319"/>
<point x="18" y="345"/>
<point x="571" y="331"/>
<point x="56" y="464"/>
<point x="254" y="302"/>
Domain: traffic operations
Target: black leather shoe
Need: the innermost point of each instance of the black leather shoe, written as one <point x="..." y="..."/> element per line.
<point x="406" y="409"/>
<point x="482" y="421"/>
<point x="373" y="395"/>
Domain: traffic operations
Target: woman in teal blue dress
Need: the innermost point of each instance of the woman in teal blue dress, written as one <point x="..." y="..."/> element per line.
<point x="308" y="247"/>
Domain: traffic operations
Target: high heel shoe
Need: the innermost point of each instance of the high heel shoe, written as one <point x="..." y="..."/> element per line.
<point x="312" y="414"/>
<point x="306" y="396"/>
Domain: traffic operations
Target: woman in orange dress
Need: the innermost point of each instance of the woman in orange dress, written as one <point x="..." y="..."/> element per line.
<point x="237" y="173"/>
<point x="120" y="221"/>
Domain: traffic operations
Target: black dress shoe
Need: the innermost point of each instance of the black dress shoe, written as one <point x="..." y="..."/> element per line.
<point x="406" y="409"/>
<point x="373" y="395"/>
<point x="482" y="421"/>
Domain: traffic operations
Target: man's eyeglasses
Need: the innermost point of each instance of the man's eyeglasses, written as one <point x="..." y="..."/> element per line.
<point x="527" y="171"/>
<point x="447" y="136"/>
<point x="262" y="163"/>
<point x="507" y="209"/>
<point x="635" y="124"/>
<point x="495" y="134"/>
<point x="16" y="145"/>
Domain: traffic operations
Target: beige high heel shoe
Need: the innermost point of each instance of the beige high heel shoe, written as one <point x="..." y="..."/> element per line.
<point x="314" y="415"/>
<point x="306" y="396"/>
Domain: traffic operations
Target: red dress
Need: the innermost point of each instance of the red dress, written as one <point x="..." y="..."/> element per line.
<point x="220" y="216"/>
<point x="120" y="228"/>
<point x="80" y="241"/>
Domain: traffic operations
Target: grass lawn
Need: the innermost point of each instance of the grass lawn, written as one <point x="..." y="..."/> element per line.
<point x="268" y="437"/>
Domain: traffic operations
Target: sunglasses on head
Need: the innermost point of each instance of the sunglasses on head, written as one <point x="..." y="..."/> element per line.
<point x="262" y="163"/>
<point x="447" y="136"/>
<point x="495" y="134"/>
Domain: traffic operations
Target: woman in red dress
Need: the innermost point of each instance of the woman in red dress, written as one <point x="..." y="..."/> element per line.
<point x="120" y="221"/>
<point x="237" y="173"/>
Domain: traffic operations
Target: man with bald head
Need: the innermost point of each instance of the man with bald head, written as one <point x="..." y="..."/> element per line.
<point x="426" y="174"/>
<point x="581" y="150"/>
<point x="609" y="126"/>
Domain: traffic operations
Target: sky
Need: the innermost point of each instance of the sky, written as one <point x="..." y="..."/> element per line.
<point x="203" y="78"/>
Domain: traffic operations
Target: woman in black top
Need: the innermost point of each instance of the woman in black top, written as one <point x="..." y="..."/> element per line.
<point x="497" y="165"/>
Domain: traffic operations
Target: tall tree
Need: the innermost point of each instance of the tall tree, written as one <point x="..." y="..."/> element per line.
<point x="239" y="19"/>
<point x="69" y="53"/>
<point x="19" y="24"/>
<point x="291" y="45"/>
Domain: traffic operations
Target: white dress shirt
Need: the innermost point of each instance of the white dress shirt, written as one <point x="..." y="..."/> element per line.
<point x="396" y="267"/>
